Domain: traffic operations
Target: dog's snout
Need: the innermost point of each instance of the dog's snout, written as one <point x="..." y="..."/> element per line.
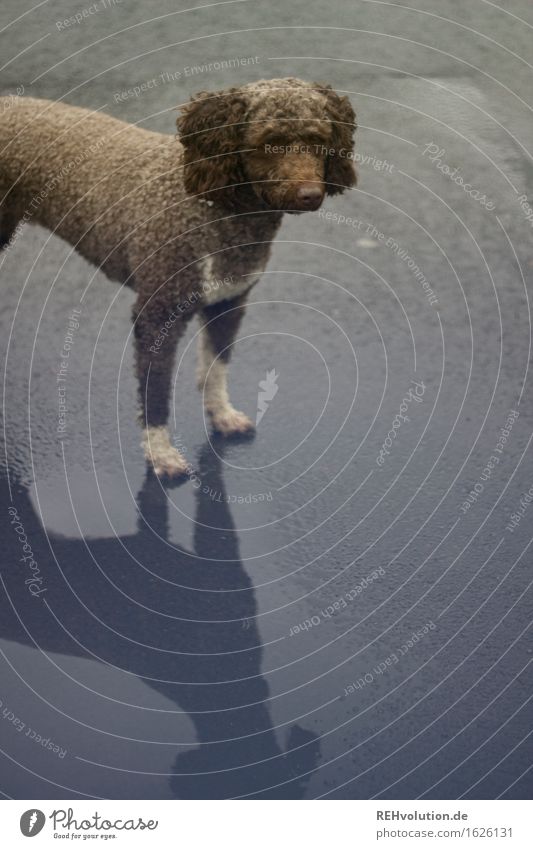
<point x="309" y="196"/>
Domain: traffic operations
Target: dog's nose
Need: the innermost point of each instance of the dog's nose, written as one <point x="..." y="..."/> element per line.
<point x="309" y="196"/>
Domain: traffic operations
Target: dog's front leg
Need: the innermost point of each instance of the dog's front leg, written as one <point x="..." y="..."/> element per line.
<point x="157" y="331"/>
<point x="220" y="324"/>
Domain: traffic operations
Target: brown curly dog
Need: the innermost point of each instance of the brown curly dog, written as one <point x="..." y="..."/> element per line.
<point x="187" y="222"/>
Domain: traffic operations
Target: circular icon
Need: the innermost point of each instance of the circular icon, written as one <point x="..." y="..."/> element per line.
<point x="32" y="822"/>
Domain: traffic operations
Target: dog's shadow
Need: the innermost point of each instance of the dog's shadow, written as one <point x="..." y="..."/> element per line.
<point x="183" y="621"/>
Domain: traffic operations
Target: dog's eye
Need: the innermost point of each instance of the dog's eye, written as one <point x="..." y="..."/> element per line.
<point x="319" y="144"/>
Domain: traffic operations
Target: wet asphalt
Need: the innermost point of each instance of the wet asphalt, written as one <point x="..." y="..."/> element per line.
<point x="320" y="612"/>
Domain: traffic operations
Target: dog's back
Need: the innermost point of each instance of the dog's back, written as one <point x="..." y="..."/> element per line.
<point x="75" y="171"/>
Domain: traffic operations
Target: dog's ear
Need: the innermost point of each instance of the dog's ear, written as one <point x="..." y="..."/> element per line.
<point x="340" y="172"/>
<point x="211" y="131"/>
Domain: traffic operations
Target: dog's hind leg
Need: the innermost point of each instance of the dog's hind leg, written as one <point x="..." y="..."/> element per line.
<point x="220" y="324"/>
<point x="157" y="331"/>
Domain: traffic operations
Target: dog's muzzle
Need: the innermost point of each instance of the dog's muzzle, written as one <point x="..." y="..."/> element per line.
<point x="309" y="197"/>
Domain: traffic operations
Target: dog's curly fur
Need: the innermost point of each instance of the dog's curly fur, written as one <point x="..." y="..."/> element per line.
<point x="187" y="222"/>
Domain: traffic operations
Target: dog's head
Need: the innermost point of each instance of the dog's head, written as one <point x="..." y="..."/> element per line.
<point x="283" y="142"/>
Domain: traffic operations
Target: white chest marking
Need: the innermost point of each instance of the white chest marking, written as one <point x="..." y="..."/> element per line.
<point x="216" y="289"/>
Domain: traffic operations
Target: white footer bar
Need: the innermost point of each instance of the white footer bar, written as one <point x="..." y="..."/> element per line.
<point x="268" y="824"/>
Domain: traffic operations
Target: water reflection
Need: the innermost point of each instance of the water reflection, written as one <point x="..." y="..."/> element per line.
<point x="182" y="620"/>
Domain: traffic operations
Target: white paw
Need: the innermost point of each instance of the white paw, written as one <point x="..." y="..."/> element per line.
<point x="171" y="464"/>
<point x="165" y="459"/>
<point x="229" y="422"/>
